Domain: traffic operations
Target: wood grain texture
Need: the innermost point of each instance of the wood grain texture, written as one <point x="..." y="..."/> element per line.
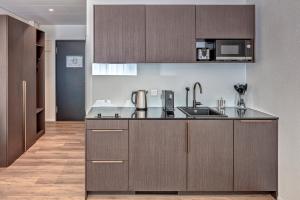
<point x="3" y="88"/>
<point x="107" y="124"/>
<point x="107" y="145"/>
<point x="255" y="151"/>
<point x="15" y="140"/>
<point x="119" y="34"/>
<point x="170" y="34"/>
<point x="225" y="21"/>
<point x="107" y="177"/>
<point x="29" y="75"/>
<point x="157" y="155"/>
<point x="53" y="169"/>
<point x="210" y="160"/>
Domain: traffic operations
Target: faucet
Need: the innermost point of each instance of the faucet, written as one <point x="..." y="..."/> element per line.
<point x="195" y="103"/>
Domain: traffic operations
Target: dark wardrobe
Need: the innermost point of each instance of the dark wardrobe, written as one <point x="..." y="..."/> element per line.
<point x="22" y="88"/>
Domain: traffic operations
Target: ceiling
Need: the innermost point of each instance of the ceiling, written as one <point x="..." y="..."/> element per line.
<point x="66" y="12"/>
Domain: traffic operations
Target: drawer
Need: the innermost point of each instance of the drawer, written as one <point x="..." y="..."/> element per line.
<point x="107" y="124"/>
<point x="107" y="145"/>
<point x="107" y="176"/>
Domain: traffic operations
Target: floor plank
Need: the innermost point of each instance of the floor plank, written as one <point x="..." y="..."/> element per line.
<point x="53" y="169"/>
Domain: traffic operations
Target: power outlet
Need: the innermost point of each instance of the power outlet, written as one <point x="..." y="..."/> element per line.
<point x="154" y="92"/>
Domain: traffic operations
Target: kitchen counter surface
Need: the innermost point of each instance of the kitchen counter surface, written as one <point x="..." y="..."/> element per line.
<point x="157" y="113"/>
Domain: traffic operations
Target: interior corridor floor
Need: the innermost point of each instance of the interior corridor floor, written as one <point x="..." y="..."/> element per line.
<point x="53" y="169"/>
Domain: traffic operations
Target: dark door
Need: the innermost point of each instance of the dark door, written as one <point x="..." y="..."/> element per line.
<point x="70" y="80"/>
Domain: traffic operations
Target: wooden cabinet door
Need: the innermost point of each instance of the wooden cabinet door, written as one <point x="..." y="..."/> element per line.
<point x="157" y="155"/>
<point x="210" y="156"/>
<point x="255" y="155"/>
<point x="225" y="21"/>
<point x="29" y="75"/>
<point x="170" y="34"/>
<point x="119" y="34"/>
<point x="15" y="140"/>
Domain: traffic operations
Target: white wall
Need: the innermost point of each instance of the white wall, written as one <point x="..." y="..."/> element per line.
<point x="275" y="84"/>
<point x="53" y="33"/>
<point x="217" y="79"/>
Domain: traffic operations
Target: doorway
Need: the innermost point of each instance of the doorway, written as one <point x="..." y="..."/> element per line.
<point x="70" y="80"/>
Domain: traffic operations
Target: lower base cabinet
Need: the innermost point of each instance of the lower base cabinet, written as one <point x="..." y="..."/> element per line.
<point x="255" y="155"/>
<point x="210" y="155"/>
<point x="157" y="155"/>
<point x="107" y="176"/>
<point x="182" y="155"/>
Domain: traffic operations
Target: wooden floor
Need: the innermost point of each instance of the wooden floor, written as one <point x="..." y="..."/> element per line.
<point x="53" y="169"/>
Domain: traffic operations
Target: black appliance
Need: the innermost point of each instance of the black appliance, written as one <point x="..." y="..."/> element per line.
<point x="234" y="50"/>
<point x="167" y="97"/>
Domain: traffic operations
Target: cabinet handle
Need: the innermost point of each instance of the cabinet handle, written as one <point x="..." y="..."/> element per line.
<point x="108" y="162"/>
<point x="24" y="86"/>
<point x="103" y="131"/>
<point x="187" y="138"/>
<point x="256" y="121"/>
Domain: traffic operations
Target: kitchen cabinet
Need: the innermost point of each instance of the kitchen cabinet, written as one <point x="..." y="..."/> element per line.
<point x="210" y="155"/>
<point x="119" y="34"/>
<point x="170" y="34"/>
<point x="157" y="155"/>
<point x="107" y="155"/>
<point x="255" y="155"/>
<point x="225" y="21"/>
<point x="18" y="89"/>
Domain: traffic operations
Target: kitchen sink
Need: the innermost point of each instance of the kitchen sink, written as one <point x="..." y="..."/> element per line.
<point x="201" y="112"/>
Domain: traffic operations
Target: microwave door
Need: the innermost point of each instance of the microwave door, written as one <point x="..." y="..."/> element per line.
<point x="230" y="50"/>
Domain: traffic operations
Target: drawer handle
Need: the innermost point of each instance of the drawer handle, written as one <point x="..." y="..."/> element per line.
<point x="108" y="162"/>
<point x="103" y="131"/>
<point x="256" y="121"/>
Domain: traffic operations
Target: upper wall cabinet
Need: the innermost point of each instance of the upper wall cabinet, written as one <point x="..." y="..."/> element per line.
<point x="119" y="34"/>
<point x="225" y="21"/>
<point x="170" y="34"/>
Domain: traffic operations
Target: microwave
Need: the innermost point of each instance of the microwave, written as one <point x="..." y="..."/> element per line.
<point x="234" y="50"/>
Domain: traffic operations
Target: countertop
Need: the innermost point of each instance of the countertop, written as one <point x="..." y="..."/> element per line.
<point x="158" y="113"/>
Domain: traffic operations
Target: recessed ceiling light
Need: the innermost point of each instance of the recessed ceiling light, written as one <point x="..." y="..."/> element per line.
<point x="51" y="9"/>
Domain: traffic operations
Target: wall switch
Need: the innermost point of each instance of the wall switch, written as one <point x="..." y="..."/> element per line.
<point x="154" y="92"/>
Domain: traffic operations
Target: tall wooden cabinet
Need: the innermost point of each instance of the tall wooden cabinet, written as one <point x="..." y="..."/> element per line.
<point x="18" y="89"/>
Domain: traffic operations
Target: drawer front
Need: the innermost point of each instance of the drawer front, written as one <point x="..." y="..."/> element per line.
<point x="107" y="145"/>
<point x="107" y="176"/>
<point x="107" y="124"/>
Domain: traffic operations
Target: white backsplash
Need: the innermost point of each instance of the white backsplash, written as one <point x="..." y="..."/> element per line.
<point x="217" y="81"/>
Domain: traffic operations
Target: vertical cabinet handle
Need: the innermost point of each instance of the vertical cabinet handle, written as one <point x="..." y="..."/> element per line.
<point x="187" y="138"/>
<point x="24" y="86"/>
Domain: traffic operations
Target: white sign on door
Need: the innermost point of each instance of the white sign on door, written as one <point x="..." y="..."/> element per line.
<point x="74" y="61"/>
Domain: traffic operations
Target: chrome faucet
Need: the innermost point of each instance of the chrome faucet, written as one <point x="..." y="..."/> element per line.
<point x="195" y="103"/>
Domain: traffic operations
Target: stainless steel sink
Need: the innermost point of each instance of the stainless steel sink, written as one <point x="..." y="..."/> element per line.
<point x="201" y="112"/>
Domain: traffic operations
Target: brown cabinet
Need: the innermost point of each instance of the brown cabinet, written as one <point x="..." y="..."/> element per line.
<point x="119" y="34"/>
<point x="170" y="34"/>
<point x="210" y="156"/>
<point x="107" y="155"/>
<point x="255" y="155"/>
<point x="157" y="155"/>
<point x="18" y="89"/>
<point x="107" y="175"/>
<point x="225" y="21"/>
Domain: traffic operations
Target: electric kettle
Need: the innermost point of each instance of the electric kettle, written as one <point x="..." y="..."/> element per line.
<point x="139" y="99"/>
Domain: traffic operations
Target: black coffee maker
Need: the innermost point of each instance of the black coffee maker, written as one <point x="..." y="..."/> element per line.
<point x="241" y="90"/>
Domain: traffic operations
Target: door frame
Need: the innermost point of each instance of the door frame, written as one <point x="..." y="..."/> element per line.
<point x="54" y="71"/>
